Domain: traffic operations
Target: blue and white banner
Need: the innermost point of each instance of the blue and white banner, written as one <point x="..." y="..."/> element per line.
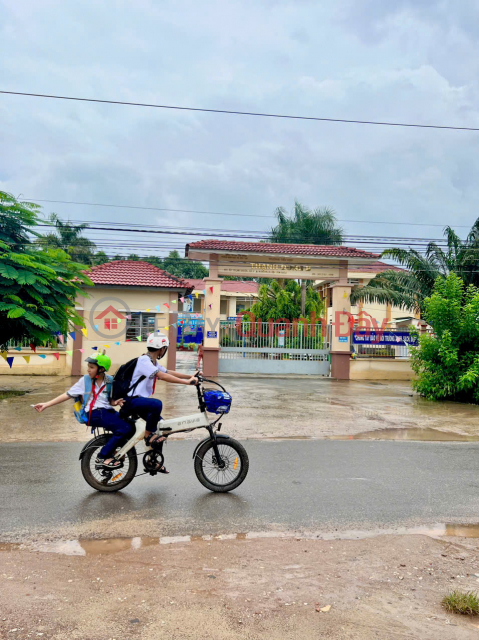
<point x="386" y="337"/>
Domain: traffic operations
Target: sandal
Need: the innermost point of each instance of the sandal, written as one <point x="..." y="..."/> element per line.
<point x="113" y="464"/>
<point x="154" y="440"/>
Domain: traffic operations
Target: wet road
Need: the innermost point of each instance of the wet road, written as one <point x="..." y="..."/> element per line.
<point x="291" y="485"/>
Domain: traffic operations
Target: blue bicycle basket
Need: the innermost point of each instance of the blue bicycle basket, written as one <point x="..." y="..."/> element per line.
<point x="217" y="401"/>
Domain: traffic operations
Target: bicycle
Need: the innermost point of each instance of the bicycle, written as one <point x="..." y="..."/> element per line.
<point x="221" y="463"/>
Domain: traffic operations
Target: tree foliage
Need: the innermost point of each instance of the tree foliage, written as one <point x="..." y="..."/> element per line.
<point x="410" y="288"/>
<point x="446" y="363"/>
<point x="275" y="301"/>
<point x="70" y="238"/>
<point x="318" y="226"/>
<point x="37" y="287"/>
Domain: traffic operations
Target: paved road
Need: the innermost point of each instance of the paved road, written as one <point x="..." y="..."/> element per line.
<point x="291" y="485"/>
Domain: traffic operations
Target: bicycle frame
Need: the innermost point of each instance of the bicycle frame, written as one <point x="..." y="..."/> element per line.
<point x="184" y="424"/>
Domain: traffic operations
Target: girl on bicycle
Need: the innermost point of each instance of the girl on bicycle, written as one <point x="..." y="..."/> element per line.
<point x="97" y="407"/>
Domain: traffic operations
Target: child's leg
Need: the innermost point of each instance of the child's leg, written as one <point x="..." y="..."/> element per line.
<point x="121" y="430"/>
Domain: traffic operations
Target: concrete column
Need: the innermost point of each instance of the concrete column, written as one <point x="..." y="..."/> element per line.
<point x="341" y="335"/>
<point x="172" y="318"/>
<point x="232" y="306"/>
<point x="78" y="344"/>
<point x="212" y="325"/>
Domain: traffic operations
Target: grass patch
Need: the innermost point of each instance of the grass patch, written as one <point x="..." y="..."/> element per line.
<point x="465" y="602"/>
<point x="10" y="393"/>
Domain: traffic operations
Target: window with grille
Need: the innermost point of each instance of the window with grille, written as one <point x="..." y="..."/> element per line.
<point x="141" y="324"/>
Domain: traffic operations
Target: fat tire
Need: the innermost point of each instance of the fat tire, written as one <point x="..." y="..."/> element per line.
<point x="240" y="450"/>
<point x="91" y="450"/>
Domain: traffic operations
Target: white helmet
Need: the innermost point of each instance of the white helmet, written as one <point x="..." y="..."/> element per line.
<point x="157" y="341"/>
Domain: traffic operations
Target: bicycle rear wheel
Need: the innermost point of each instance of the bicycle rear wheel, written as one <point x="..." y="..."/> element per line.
<point x="111" y="480"/>
<point x="209" y="472"/>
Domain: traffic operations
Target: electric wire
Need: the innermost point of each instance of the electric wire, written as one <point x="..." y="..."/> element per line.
<point x="238" y="113"/>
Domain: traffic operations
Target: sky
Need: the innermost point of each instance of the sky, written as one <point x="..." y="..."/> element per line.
<point x="405" y="61"/>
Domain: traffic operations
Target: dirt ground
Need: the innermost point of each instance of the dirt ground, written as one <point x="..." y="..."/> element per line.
<point x="388" y="588"/>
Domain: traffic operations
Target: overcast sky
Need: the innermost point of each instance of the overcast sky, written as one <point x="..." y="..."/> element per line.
<point x="407" y="61"/>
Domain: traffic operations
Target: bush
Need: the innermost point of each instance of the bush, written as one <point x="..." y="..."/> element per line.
<point x="446" y="362"/>
<point x="465" y="602"/>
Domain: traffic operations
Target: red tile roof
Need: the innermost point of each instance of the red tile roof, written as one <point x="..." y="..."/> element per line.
<point x="375" y="267"/>
<point x="133" y="273"/>
<point x="235" y="286"/>
<point x="290" y="249"/>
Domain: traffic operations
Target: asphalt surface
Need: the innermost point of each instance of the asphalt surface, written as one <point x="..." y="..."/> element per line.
<point x="291" y="485"/>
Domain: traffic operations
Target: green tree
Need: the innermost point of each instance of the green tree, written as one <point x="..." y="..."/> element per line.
<point x="70" y="238"/>
<point x="410" y="288"/>
<point x="276" y="301"/>
<point x="318" y="226"/>
<point x="446" y="363"/>
<point x="38" y="287"/>
<point x="100" y="257"/>
<point x="134" y="257"/>
<point x="182" y="268"/>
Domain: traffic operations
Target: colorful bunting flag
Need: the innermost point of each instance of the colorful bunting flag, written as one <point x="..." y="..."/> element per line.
<point x="4" y="354"/>
<point x="57" y="356"/>
<point x="211" y="289"/>
<point x="117" y="343"/>
<point x="81" y="350"/>
<point x="96" y="327"/>
<point x="182" y="299"/>
<point x="173" y="301"/>
<point x="70" y="353"/>
<point x="10" y="361"/>
<point x="147" y="309"/>
<point x="197" y="293"/>
<point x="138" y="338"/>
<point x="128" y="317"/>
<point x="40" y="355"/>
<point x="27" y="359"/>
<point x="166" y="328"/>
<point x="18" y="348"/>
<point x="209" y="306"/>
<point x="33" y="347"/>
<point x="157" y="307"/>
<point x="107" y="346"/>
<point x="119" y="320"/>
<point x="72" y="334"/>
<point x="84" y="331"/>
<point x="95" y="348"/>
<point x="60" y="337"/>
<point x="166" y="305"/>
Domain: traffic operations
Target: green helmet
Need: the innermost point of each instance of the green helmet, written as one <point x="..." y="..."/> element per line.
<point x="100" y="359"/>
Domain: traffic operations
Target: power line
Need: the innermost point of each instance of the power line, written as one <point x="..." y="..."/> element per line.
<point x="224" y="213"/>
<point x="239" y="113"/>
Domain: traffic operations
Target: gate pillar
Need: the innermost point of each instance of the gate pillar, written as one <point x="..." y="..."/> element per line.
<point x="211" y="345"/>
<point x="341" y="334"/>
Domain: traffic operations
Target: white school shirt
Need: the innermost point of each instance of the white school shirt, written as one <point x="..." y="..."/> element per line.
<point x="145" y="367"/>
<point x="103" y="400"/>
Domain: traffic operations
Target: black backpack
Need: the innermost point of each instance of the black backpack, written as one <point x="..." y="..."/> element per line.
<point x="122" y="380"/>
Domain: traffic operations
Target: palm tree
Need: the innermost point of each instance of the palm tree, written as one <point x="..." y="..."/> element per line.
<point x="69" y="238"/>
<point x="409" y="288"/>
<point x="306" y="227"/>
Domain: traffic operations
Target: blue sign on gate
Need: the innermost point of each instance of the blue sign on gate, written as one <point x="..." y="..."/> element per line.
<point x="211" y="334"/>
<point x="386" y="337"/>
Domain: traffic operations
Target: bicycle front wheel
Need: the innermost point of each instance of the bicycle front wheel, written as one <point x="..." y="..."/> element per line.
<point x="229" y="475"/>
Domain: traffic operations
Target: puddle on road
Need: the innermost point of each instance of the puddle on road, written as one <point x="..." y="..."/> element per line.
<point x="424" y="435"/>
<point x="108" y="546"/>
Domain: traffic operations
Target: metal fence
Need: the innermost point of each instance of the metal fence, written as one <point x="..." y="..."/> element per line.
<point x="274" y="347"/>
<point x="25" y="344"/>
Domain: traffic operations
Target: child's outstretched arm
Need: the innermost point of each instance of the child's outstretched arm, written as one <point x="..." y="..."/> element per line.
<point x="44" y="405"/>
